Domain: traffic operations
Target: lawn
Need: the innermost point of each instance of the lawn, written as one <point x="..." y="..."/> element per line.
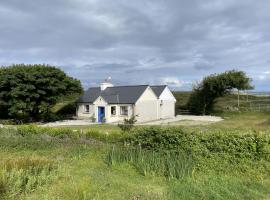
<point x="72" y="164"/>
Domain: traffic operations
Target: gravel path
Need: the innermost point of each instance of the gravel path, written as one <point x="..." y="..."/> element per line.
<point x="191" y="118"/>
<point x="79" y="122"/>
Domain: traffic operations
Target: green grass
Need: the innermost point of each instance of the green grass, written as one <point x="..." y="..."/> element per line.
<point x="76" y="167"/>
<point x="244" y="120"/>
<point x="227" y="103"/>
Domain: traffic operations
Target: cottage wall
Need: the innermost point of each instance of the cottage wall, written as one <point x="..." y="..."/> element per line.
<point x="146" y="108"/>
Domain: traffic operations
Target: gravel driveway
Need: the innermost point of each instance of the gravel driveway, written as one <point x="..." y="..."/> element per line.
<point x="179" y="118"/>
<point x="191" y="118"/>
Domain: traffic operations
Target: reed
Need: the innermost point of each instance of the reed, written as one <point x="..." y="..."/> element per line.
<point x="169" y="164"/>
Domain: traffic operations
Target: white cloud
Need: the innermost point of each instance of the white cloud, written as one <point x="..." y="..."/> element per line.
<point x="174" y="82"/>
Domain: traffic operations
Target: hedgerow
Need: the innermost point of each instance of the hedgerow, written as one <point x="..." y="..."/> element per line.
<point x="248" y="145"/>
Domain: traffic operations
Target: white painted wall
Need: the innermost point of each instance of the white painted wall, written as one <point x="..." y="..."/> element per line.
<point x="166" y="104"/>
<point x="93" y="112"/>
<point x="118" y="117"/>
<point x="146" y="108"/>
<point x="81" y="110"/>
<point x="167" y="109"/>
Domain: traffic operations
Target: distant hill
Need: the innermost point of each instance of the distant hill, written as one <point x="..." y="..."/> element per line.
<point x="255" y="101"/>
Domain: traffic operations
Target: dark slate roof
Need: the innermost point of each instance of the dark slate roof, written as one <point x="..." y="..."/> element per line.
<point x="89" y="95"/>
<point x="158" y="89"/>
<point x="114" y="95"/>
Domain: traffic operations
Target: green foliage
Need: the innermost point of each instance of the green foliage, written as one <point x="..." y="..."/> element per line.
<point x="128" y="124"/>
<point x="249" y="145"/>
<point x="25" y="130"/>
<point x="27" y="91"/>
<point x="24" y="175"/>
<point x="105" y="136"/>
<point x="205" y="93"/>
<point x="67" y="111"/>
<point x="81" y="171"/>
<point x="168" y="164"/>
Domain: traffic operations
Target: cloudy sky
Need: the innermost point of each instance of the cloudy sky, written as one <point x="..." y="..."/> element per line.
<point x="174" y="42"/>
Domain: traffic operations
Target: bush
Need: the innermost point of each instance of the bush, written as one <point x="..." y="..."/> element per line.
<point x="50" y="117"/>
<point x="128" y="124"/>
<point x="56" y="132"/>
<point x="234" y="143"/>
<point x="67" y="111"/>
<point x="111" y="136"/>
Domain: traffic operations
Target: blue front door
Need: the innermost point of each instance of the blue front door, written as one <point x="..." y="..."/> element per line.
<point x="101" y="114"/>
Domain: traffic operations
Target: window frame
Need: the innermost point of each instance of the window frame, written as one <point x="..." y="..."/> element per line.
<point x="126" y="110"/>
<point x="87" y="108"/>
<point x="113" y="114"/>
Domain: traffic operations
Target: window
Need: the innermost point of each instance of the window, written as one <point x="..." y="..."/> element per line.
<point x="113" y="110"/>
<point x="123" y="110"/>
<point x="86" y="108"/>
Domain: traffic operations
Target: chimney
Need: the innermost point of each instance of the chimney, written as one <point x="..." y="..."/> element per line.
<point x="106" y="84"/>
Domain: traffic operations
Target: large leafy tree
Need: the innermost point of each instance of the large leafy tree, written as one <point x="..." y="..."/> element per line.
<point x="31" y="90"/>
<point x="206" y="92"/>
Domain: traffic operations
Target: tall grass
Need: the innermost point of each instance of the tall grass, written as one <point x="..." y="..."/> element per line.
<point x="169" y="164"/>
<point x="24" y="175"/>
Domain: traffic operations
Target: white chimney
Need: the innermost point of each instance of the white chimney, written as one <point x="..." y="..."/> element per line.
<point x="106" y="84"/>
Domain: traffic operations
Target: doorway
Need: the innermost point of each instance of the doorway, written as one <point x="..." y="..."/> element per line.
<point x="101" y="114"/>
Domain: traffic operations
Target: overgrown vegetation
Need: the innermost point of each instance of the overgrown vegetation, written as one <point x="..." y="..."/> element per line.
<point x="28" y="92"/>
<point x="204" y="94"/>
<point x="234" y="142"/>
<point x="128" y="124"/>
<point x="103" y="162"/>
<point x="227" y="104"/>
<point x="169" y="164"/>
<point x="20" y="176"/>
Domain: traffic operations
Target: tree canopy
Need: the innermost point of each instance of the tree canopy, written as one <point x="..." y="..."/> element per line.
<point x="31" y="90"/>
<point x="205" y="93"/>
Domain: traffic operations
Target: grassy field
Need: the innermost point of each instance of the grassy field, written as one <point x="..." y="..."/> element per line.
<point x="91" y="162"/>
<point x="229" y="102"/>
<point x="74" y="165"/>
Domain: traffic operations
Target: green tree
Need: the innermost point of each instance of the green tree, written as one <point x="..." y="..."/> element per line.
<point x="28" y="91"/>
<point x="206" y="92"/>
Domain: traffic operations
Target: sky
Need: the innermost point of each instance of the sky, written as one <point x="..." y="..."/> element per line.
<point x="173" y="42"/>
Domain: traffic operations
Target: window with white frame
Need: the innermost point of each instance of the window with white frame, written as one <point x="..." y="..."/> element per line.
<point x="113" y="110"/>
<point x="123" y="110"/>
<point x="86" y="108"/>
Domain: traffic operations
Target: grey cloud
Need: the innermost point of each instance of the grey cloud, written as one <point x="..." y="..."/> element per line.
<point x="138" y="41"/>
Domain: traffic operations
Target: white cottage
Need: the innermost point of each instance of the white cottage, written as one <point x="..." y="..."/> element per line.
<point x="109" y="103"/>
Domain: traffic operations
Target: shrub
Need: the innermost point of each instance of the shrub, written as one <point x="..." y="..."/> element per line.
<point x="107" y="136"/>
<point x="67" y="111"/>
<point x="249" y="145"/>
<point x="50" y="117"/>
<point x="128" y="124"/>
<point x="56" y="132"/>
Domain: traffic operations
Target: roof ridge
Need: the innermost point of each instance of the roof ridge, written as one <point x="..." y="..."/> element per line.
<point x="157" y="85"/>
<point x="127" y="86"/>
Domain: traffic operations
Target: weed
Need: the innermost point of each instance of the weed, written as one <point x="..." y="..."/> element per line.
<point x="24" y="175"/>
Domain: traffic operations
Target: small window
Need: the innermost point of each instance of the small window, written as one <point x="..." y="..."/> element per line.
<point x="123" y="110"/>
<point x="113" y="110"/>
<point x="86" y="108"/>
